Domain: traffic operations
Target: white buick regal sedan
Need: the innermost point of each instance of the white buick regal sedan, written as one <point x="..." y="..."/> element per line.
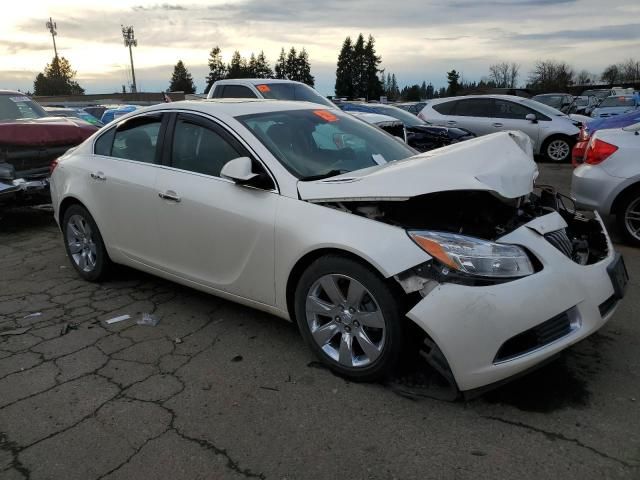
<point x="312" y="215"/>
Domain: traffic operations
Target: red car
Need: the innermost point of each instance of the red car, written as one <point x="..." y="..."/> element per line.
<point x="30" y="140"/>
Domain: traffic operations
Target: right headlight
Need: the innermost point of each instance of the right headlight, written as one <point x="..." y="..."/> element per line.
<point x="474" y="256"/>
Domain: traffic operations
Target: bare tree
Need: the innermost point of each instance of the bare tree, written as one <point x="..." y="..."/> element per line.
<point x="611" y="74"/>
<point x="504" y="74"/>
<point x="585" y="77"/>
<point x="550" y="76"/>
<point x="629" y="70"/>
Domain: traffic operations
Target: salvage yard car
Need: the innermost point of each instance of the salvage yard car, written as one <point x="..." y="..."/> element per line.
<point x="314" y="216"/>
<point x="29" y="140"/>
<point x="552" y="132"/>
<point x="608" y="177"/>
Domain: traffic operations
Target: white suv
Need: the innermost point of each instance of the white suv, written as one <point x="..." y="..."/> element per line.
<point x="269" y="88"/>
<point x="552" y="132"/>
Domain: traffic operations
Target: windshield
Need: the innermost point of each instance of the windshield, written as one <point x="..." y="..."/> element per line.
<point x="581" y="101"/>
<point x="292" y="91"/>
<point x="14" y="107"/>
<point x="597" y="93"/>
<point x="409" y="119"/>
<point x="321" y="143"/>
<point x="617" y="102"/>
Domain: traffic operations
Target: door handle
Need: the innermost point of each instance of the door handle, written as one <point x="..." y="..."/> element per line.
<point x="98" y="176"/>
<point x="170" y="195"/>
<point x="451" y="122"/>
<point x="498" y="125"/>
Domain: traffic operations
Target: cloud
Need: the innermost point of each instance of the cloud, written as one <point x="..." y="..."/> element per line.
<point x="13" y="47"/>
<point x="628" y="31"/>
<point x="161" y="6"/>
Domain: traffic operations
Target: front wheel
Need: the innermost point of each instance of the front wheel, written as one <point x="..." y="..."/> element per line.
<point x="349" y="317"/>
<point x="557" y="149"/>
<point x="84" y="244"/>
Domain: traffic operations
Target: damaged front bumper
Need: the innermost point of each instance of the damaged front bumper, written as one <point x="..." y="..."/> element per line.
<point x="493" y="332"/>
<point x="21" y="191"/>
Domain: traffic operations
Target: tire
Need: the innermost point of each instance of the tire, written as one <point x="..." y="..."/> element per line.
<point x="557" y="149"/>
<point x="350" y="318"/>
<point x="84" y="245"/>
<point x="629" y="205"/>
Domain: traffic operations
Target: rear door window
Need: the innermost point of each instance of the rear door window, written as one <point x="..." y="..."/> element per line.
<point x="445" y="108"/>
<point x="137" y="139"/>
<point x="474" y="107"/>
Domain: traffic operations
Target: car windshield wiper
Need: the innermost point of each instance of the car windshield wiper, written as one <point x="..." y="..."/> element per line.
<point x="320" y="176"/>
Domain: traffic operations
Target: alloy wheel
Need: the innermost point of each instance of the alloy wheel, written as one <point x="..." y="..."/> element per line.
<point x="632" y="219"/>
<point x="81" y="243"/>
<point x="345" y="320"/>
<point x="558" y="150"/>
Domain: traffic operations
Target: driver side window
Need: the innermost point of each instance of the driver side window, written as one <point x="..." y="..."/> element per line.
<point x="510" y="110"/>
<point x="200" y="149"/>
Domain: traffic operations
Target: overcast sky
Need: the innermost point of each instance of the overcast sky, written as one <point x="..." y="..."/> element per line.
<point x="418" y="39"/>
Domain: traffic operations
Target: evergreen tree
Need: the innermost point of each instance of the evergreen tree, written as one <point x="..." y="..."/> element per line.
<point x="359" y="69"/>
<point x="423" y="90"/>
<point x="430" y="91"/>
<point x="252" y="66"/>
<point x="181" y="80"/>
<point x="261" y="67"/>
<point x="394" y="90"/>
<point x="57" y="79"/>
<point x="237" y="67"/>
<point x="291" y="65"/>
<point x="281" y="65"/>
<point x="442" y="92"/>
<point x="344" y="70"/>
<point x="453" y="78"/>
<point x="217" y="69"/>
<point x="372" y="62"/>
<point x="304" y="68"/>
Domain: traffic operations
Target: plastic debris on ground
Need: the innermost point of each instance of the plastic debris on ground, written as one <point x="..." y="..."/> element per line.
<point x="31" y="315"/>
<point x="117" y="319"/>
<point x="148" y="320"/>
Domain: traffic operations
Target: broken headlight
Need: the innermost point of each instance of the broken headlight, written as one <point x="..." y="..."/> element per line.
<point x="474" y="256"/>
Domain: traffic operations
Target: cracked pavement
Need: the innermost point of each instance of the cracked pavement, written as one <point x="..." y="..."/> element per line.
<point x="217" y="390"/>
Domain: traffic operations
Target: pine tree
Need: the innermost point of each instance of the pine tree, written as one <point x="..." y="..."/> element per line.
<point x="430" y="91"/>
<point x="217" y="69"/>
<point x="423" y="90"/>
<point x="304" y="68"/>
<point x="57" y="79"/>
<point x="452" y="79"/>
<point x="181" y="80"/>
<point x="359" y="69"/>
<point x="281" y="65"/>
<point x="262" y="68"/>
<point x="291" y="66"/>
<point x="237" y="67"/>
<point x="344" y="70"/>
<point x="373" y="87"/>
<point x="252" y="66"/>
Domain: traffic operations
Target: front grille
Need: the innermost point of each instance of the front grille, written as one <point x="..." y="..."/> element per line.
<point x="606" y="306"/>
<point x="560" y="240"/>
<point x="536" y="337"/>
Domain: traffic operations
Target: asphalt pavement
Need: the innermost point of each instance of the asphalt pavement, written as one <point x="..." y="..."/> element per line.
<point x="216" y="390"/>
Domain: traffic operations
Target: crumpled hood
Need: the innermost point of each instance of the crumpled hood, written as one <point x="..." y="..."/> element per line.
<point x="45" y="131"/>
<point x="501" y="163"/>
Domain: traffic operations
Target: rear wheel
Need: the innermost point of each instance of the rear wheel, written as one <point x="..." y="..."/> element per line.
<point x="84" y="244"/>
<point x="557" y="149"/>
<point x="628" y="216"/>
<point x="349" y="317"/>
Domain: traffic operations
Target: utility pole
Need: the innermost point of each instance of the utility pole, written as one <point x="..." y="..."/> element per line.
<point x="51" y="25"/>
<point x="130" y="41"/>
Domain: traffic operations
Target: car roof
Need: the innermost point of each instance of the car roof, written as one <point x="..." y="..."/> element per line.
<point x="513" y="98"/>
<point x="551" y="94"/>
<point x="234" y="107"/>
<point x="255" y="81"/>
<point x="12" y="92"/>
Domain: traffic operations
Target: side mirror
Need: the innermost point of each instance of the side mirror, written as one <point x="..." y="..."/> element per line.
<point x="531" y="117"/>
<point x="239" y="170"/>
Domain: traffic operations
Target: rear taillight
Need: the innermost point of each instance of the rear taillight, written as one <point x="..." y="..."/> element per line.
<point x="598" y="151"/>
<point x="52" y="166"/>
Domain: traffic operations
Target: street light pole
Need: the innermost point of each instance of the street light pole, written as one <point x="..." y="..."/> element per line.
<point x="130" y="41"/>
<point x="51" y="25"/>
